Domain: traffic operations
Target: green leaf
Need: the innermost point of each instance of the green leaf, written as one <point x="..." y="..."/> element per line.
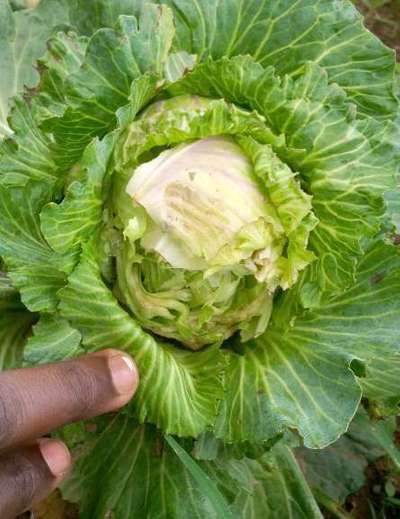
<point x="393" y="207"/>
<point x="88" y="17"/>
<point x="129" y="471"/>
<point x="289" y="33"/>
<point x="23" y="36"/>
<point x="207" y="447"/>
<point x="333" y="338"/>
<point x="53" y="340"/>
<point x="339" y="470"/>
<point x="15" y="328"/>
<point x="280" y="489"/>
<point x="113" y="59"/>
<point x="372" y="299"/>
<point x="30" y="156"/>
<point x="9" y="297"/>
<point x="381" y="384"/>
<point x="380" y="433"/>
<point x="298" y="374"/>
<point x="73" y="221"/>
<point x="30" y="182"/>
<point x="18" y="4"/>
<point x="205" y="484"/>
<point x="189" y="382"/>
<point x="283" y="33"/>
<point x="272" y="387"/>
<point x="15" y="325"/>
<point x="40" y="278"/>
<point x="140" y="476"/>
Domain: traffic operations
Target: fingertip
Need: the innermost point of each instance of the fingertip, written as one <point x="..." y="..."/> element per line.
<point x="124" y="372"/>
<point x="56" y="456"/>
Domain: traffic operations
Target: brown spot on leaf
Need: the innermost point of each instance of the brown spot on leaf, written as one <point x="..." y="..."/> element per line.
<point x="396" y="239"/>
<point x="158" y="447"/>
<point x="377" y="278"/>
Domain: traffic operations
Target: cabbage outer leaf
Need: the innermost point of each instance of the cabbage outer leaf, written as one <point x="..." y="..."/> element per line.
<point x="23" y="37"/>
<point x="295" y="375"/>
<point x="150" y="478"/>
<point x="15" y="325"/>
<point x="191" y="383"/>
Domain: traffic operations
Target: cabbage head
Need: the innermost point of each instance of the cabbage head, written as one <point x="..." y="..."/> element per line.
<point x="211" y="227"/>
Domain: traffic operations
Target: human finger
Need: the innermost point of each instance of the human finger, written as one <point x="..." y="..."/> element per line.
<point x="35" y="401"/>
<point x="29" y="474"/>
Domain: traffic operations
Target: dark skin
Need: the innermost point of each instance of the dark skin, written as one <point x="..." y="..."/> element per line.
<point x="36" y="401"/>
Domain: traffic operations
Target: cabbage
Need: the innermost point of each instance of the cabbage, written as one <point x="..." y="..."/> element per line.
<point x="203" y="185"/>
<point x="211" y="231"/>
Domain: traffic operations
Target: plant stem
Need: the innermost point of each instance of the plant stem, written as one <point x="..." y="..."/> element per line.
<point x="330" y="504"/>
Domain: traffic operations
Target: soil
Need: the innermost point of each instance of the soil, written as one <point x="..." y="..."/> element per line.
<point x="383" y="21"/>
<point x="372" y="500"/>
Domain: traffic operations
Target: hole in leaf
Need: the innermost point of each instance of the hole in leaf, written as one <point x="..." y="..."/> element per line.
<point x="358" y="368"/>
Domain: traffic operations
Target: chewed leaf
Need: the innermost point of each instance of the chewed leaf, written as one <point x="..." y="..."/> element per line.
<point x="340" y="469"/>
<point x="278" y="380"/>
<point x="178" y="64"/>
<point x="381" y="384"/>
<point x="89" y="17"/>
<point x="190" y="383"/>
<point x="299" y="375"/>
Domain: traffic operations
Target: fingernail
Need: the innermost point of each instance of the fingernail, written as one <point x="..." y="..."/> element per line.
<point x="124" y="373"/>
<point x="56" y="456"/>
